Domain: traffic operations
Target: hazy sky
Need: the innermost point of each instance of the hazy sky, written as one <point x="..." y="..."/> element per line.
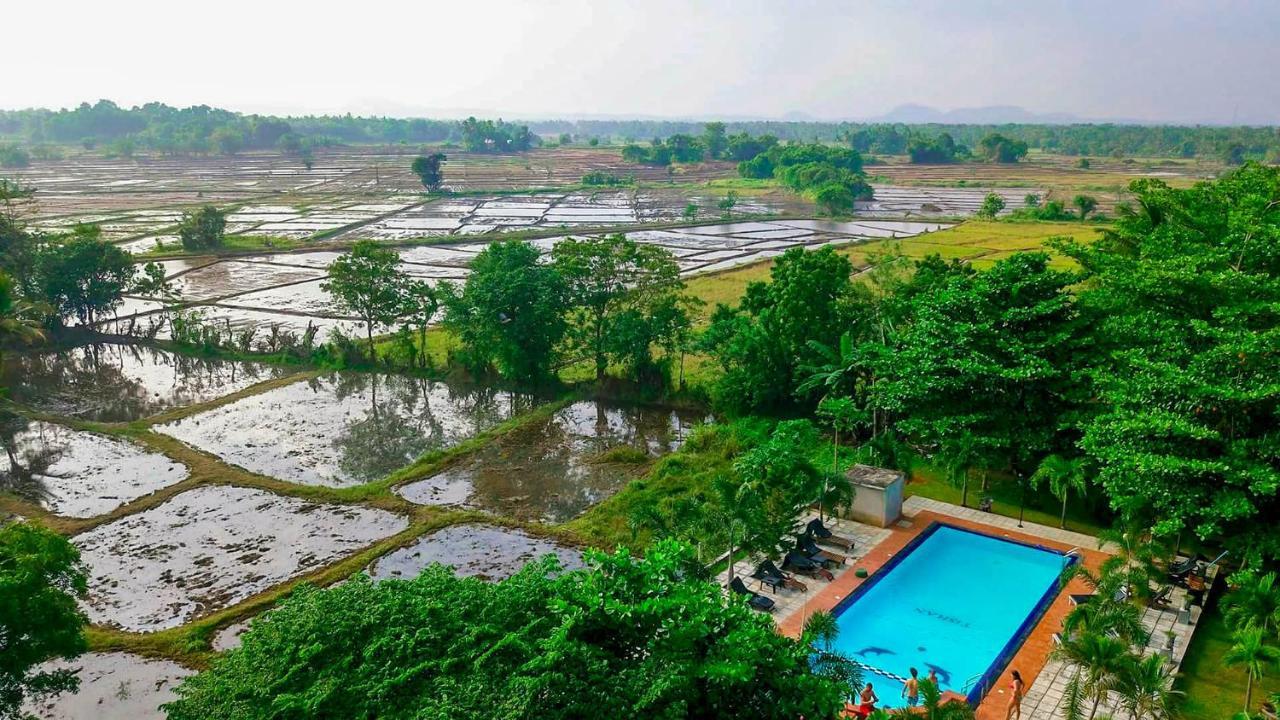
<point x="1174" y="60"/>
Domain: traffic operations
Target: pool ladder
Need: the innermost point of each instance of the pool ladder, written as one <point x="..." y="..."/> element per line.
<point x="969" y="684"/>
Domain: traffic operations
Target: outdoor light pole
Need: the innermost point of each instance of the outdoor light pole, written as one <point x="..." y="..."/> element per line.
<point x="1022" y="499"/>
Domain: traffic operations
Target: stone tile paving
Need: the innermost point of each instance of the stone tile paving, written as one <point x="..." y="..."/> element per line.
<point x="1044" y="698"/>
<point x="790" y="602"/>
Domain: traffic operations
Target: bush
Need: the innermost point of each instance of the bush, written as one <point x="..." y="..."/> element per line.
<point x="203" y="229"/>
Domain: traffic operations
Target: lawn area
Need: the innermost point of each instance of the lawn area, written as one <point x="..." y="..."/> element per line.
<point x="974" y="241"/>
<point x="1214" y="691"/>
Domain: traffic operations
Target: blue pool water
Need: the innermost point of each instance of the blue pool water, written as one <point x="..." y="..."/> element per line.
<point x="956" y="600"/>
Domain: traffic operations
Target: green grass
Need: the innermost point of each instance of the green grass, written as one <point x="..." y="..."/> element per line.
<point x="1212" y="690"/>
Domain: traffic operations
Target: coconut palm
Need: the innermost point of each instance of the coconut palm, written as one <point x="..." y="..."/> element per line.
<point x="959" y="455"/>
<point x="1254" y="602"/>
<point x="1250" y="650"/>
<point x="18" y="318"/>
<point x="1146" y="688"/>
<point x="1107" y="617"/>
<point x="1098" y="662"/>
<point x="1064" y="475"/>
<point x="842" y="414"/>
<point x="819" y="633"/>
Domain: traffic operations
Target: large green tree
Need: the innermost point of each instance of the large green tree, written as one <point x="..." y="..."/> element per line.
<point x="620" y="294"/>
<point x="510" y="315"/>
<point x="81" y="277"/>
<point x="640" y="637"/>
<point x="1185" y="296"/>
<point x="997" y="355"/>
<point x="40" y="579"/>
<point x="368" y="283"/>
<point x="763" y="344"/>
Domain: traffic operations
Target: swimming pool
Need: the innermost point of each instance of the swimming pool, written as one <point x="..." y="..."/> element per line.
<point x="953" y="600"/>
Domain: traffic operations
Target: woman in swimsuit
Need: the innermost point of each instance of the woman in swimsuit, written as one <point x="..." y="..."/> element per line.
<point x="1015" y="701"/>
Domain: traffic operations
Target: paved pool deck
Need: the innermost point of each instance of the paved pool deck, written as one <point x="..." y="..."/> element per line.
<point x="1045" y="678"/>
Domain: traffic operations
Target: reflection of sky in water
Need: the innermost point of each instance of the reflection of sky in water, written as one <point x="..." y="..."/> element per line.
<point x="111" y="382"/>
<point x="346" y="428"/>
<point x="553" y="470"/>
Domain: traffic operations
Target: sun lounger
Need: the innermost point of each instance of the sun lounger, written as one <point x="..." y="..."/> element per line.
<point x="768" y="568"/>
<point x="773" y="581"/>
<point x="805" y="544"/>
<point x="818" y="531"/>
<point x="798" y="562"/>
<point x="1161" y="597"/>
<point x="754" y="599"/>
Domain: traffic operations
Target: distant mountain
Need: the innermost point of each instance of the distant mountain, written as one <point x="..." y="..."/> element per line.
<point x="989" y="115"/>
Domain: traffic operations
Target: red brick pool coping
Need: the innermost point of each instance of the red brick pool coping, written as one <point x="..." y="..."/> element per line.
<point x="1030" y="658"/>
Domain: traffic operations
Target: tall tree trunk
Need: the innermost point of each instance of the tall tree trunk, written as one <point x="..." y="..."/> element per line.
<point x="964" y="489"/>
<point x="1063" y="524"/>
<point x="1248" y="692"/>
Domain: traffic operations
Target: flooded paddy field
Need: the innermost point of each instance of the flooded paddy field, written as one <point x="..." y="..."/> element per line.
<point x="119" y="382"/>
<point x="78" y="474"/>
<point x="346" y="428"/>
<point x="488" y="552"/>
<point x="113" y="686"/>
<point x="284" y="289"/>
<point x="554" y="469"/>
<point x="211" y="547"/>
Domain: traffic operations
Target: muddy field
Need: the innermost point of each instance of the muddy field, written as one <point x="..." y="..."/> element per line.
<point x="368" y="192"/>
<point x="211" y="547"/>
<point x="120" y="382"/>
<point x="345" y="429"/>
<point x="553" y="470"/>
<point x="78" y="474"/>
<point x="484" y="551"/>
<point x="283" y="290"/>
<point x="113" y="686"/>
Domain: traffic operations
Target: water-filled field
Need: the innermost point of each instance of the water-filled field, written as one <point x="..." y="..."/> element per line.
<point x="118" y="382"/>
<point x="75" y="473"/>
<point x="554" y="469"/>
<point x="345" y="428"/>
<point x="210" y="547"/>
<point x="485" y="551"/>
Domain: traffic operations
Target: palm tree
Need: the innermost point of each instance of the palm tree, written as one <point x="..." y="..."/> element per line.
<point x="1064" y="475"/>
<point x="1098" y="661"/>
<point x="959" y="456"/>
<point x="843" y="414"/>
<point x="18" y="318"/>
<point x="819" y="633"/>
<point x="1250" y="649"/>
<point x="1146" y="688"/>
<point x="1255" y="602"/>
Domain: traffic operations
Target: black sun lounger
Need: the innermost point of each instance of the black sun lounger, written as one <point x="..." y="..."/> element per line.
<point x="805" y="544"/>
<point x="777" y="578"/>
<point x="818" y="531"/>
<point x="798" y="562"/>
<point x="755" y="600"/>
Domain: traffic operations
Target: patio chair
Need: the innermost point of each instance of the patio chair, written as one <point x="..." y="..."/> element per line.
<point x="806" y="545"/>
<point x="822" y="534"/>
<point x="1161" y="597"/>
<point x="800" y="563"/>
<point x="767" y="579"/>
<point x="787" y="580"/>
<point x="754" y="599"/>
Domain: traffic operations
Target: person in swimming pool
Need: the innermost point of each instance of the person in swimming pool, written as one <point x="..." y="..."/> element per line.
<point x="933" y="678"/>
<point x="1017" y="687"/>
<point x="911" y="688"/>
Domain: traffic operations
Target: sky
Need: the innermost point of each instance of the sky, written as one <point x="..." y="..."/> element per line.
<point x="1184" y="61"/>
